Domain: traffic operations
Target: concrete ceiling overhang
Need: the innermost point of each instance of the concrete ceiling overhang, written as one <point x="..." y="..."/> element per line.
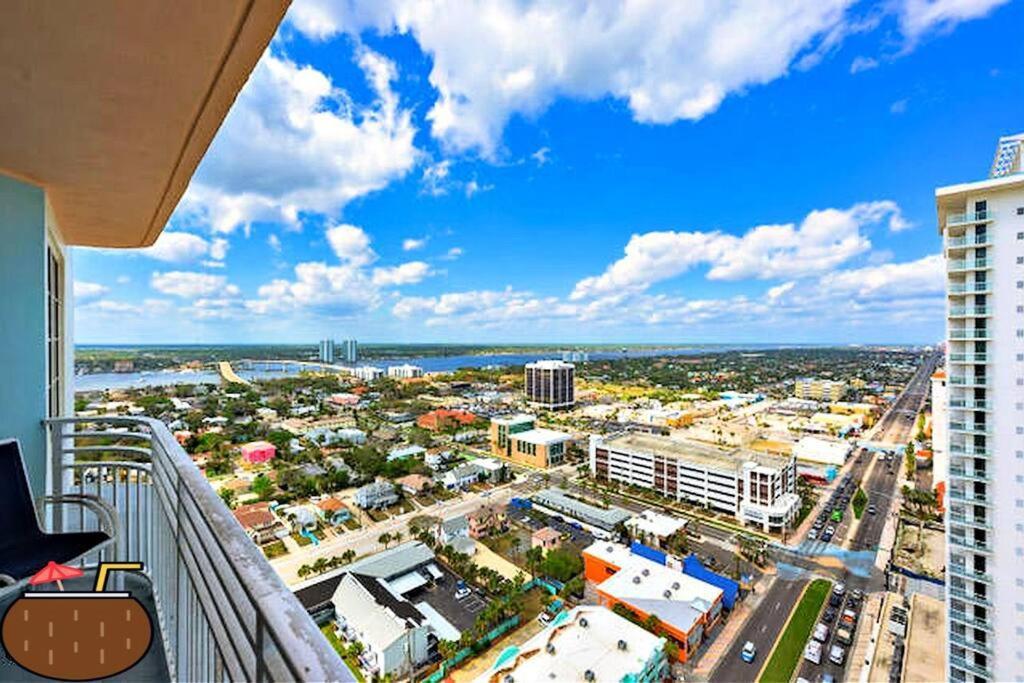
<point x="110" y="104"/>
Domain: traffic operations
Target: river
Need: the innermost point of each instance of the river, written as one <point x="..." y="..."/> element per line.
<point x="128" y="380"/>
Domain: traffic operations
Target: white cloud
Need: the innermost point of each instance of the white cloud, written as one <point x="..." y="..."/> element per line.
<point x="177" y="247"/>
<point x="824" y="240"/>
<point x="123" y="279"/>
<point x="495" y="59"/>
<point x="83" y="291"/>
<point x="274" y="242"/>
<point x="898" y="107"/>
<point x="453" y="253"/>
<point x="108" y="307"/>
<point x="212" y="264"/>
<point x="316" y="150"/>
<point x="434" y="180"/>
<point x="189" y="285"/>
<point x="542" y="156"/>
<point x="219" y="249"/>
<point x="405" y="274"/>
<point x="861" y="63"/>
<point x="473" y="187"/>
<point x="918" y="18"/>
<point x="888" y="281"/>
<point x="351" y="245"/>
<point x="414" y="243"/>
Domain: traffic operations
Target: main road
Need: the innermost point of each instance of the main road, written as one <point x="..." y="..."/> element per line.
<point x="764" y="625"/>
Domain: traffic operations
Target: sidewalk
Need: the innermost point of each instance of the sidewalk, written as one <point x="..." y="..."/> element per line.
<point x="868" y="646"/>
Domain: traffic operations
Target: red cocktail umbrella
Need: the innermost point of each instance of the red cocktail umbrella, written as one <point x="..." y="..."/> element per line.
<point x="55" y="572"/>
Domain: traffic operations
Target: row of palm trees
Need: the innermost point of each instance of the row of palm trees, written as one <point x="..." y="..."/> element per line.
<point x="325" y="564"/>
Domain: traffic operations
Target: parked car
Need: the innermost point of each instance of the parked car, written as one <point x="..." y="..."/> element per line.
<point x="821" y="633"/>
<point x="812" y="534"/>
<point x="849" y="618"/>
<point x="835" y="601"/>
<point x="462" y="590"/>
<point x="837" y="655"/>
<point x="812" y="652"/>
<point x="829" y="615"/>
<point x="840" y="589"/>
<point x="872" y="509"/>
<point x="844" y="635"/>
<point x="749" y="652"/>
<point x="545" y="618"/>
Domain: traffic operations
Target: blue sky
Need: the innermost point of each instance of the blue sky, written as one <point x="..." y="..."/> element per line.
<point x="499" y="171"/>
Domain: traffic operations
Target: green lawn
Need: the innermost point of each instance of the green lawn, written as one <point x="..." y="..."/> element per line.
<point x="789" y="649"/>
<point x="274" y="549"/>
<point x="859" y="502"/>
<point x="339" y="647"/>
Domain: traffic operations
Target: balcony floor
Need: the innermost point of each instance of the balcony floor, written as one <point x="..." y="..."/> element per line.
<point x="153" y="666"/>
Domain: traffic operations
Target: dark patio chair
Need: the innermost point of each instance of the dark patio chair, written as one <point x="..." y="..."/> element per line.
<point x="24" y="547"/>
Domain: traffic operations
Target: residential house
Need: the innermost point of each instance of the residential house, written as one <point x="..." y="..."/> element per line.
<point x="300" y="517"/>
<point x="259" y="522"/>
<point x="545" y="538"/>
<point x="461" y="477"/>
<point x="487" y="519"/>
<point x="333" y="511"/>
<point x="415" y="484"/>
<point x="376" y="494"/>
<point x="258" y="452"/>
<point x="436" y="458"/>
<point x="452" y="528"/>
<point x="403" y="452"/>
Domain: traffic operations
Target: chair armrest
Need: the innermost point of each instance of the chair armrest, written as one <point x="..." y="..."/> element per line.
<point x="104" y="511"/>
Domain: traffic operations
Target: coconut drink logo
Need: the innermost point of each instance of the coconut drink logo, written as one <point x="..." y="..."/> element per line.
<point x="77" y="636"/>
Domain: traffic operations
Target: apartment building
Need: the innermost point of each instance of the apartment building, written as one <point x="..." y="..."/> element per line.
<point x="368" y="373"/>
<point x="376" y="494"/>
<point x="518" y="439"/>
<point x="326" y="352"/>
<point x="405" y="371"/>
<point x="815" y="389"/>
<point x="108" y="110"/>
<point x="982" y="224"/>
<point x="550" y="384"/>
<point x="756" y="488"/>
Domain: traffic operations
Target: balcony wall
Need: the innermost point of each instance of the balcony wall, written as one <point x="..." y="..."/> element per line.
<point x="23" y="321"/>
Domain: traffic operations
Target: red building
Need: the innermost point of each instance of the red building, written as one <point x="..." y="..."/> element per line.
<point x="442" y="418"/>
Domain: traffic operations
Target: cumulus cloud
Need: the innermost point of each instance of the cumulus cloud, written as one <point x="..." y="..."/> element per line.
<point x="177" y="247"/>
<point x="314" y="148"/>
<point x="918" y="18"/>
<point x="190" y="285"/>
<point x="434" y="180"/>
<point x="898" y="107"/>
<point x="542" y="156"/>
<point x="414" y="243"/>
<point x="405" y="274"/>
<point x="824" y="240"/>
<point x="84" y="291"/>
<point x="495" y="59"/>
<point x="345" y="288"/>
<point x="274" y="242"/>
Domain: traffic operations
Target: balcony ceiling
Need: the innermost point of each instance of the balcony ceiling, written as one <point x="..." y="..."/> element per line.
<point x="110" y="105"/>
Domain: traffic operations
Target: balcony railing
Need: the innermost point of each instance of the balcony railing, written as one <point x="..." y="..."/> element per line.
<point x="967" y="380"/>
<point x="972" y="241"/>
<point x="969" y="217"/>
<point x="969" y="404"/>
<point x="968" y="264"/>
<point x="971" y="543"/>
<point x="969" y="334"/>
<point x="973" y="644"/>
<point x="969" y="288"/>
<point x="222" y="611"/>
<point x="970" y="619"/>
<point x="969" y="427"/>
<point x="964" y="594"/>
<point x="966" y="449"/>
<point x="964" y="473"/>
<point x="962" y="663"/>
<point x="968" y="312"/>
<point x="962" y="570"/>
<point x="968" y="358"/>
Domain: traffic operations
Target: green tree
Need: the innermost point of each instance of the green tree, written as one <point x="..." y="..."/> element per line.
<point x="384" y="539"/>
<point x="348" y="556"/>
<point x="262" y="487"/>
<point x="228" y="496"/>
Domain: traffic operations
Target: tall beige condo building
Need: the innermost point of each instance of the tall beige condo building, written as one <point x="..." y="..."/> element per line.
<point x="982" y="224"/>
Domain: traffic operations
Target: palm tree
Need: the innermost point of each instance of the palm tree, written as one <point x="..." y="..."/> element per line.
<point x="516" y="542"/>
<point x="384" y="539"/>
<point x="304" y="571"/>
<point x="534" y="556"/>
<point x="348" y="556"/>
<point x="320" y="566"/>
<point x="397" y="537"/>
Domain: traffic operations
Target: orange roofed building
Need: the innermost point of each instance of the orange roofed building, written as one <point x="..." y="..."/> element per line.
<point x="442" y="418"/>
<point x="687" y="608"/>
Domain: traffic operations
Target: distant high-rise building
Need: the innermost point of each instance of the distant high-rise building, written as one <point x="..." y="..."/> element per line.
<point x="349" y="351"/>
<point x="405" y="371"/>
<point x="575" y="356"/>
<point x="551" y="383"/>
<point x="326" y="350"/>
<point x="982" y="224"/>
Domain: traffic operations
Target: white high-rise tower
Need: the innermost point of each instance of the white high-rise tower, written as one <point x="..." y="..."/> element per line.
<point x="983" y="228"/>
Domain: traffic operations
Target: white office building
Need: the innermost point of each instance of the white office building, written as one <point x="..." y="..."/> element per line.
<point x="550" y="384"/>
<point x="754" y="487"/>
<point x="982" y="224"/>
<point x="326" y="354"/>
<point x="405" y="371"/>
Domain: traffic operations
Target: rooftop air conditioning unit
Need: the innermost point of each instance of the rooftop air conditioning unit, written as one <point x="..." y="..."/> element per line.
<point x="636" y="579"/>
<point x="667" y="594"/>
<point x="622" y="645"/>
<point x="589" y="675"/>
<point x="583" y="622"/>
<point x="549" y="648"/>
<point x="646" y="572"/>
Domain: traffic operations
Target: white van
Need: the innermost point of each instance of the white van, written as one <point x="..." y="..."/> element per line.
<point x="812" y="653"/>
<point x="821" y="633"/>
<point x="837" y="655"/>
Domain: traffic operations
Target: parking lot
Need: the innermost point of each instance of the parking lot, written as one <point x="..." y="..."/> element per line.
<point x="581" y="538"/>
<point x="460" y="612"/>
